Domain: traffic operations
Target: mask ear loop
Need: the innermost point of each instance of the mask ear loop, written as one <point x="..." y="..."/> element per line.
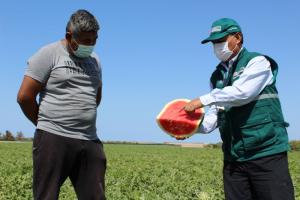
<point x="72" y="38"/>
<point x="75" y="43"/>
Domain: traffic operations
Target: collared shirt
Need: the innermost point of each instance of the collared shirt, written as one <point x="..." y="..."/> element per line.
<point x="255" y="77"/>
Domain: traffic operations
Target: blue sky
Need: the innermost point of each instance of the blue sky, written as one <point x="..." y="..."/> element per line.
<point x="151" y="54"/>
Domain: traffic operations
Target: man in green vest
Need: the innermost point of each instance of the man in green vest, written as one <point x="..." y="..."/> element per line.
<point x="244" y="105"/>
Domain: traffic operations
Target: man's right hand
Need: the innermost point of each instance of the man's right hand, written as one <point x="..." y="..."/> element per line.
<point x="193" y="105"/>
<point x="180" y="138"/>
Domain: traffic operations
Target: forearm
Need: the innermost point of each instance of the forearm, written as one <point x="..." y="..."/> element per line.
<point x="251" y="82"/>
<point x="30" y="109"/>
<point x="26" y="98"/>
<point x="98" y="101"/>
<point x="99" y="96"/>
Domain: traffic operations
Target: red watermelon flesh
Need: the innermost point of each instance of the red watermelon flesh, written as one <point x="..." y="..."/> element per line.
<point x="178" y="123"/>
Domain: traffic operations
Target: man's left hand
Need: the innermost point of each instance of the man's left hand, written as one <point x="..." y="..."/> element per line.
<point x="193" y="105"/>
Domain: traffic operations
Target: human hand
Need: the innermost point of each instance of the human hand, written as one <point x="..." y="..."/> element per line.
<point x="193" y="105"/>
<point x="180" y="138"/>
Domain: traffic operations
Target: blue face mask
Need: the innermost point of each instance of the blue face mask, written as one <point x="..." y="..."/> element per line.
<point x="83" y="51"/>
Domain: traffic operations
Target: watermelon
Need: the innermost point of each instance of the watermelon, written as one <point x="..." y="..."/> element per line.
<point x="176" y="122"/>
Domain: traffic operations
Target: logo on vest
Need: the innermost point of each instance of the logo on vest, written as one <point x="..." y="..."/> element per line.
<point x="238" y="73"/>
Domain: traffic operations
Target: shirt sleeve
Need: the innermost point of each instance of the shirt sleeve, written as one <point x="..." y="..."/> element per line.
<point x="209" y="122"/>
<point x="39" y="66"/>
<point x="255" y="77"/>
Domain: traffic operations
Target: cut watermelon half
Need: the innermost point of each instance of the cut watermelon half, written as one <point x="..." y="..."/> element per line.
<point x="176" y="122"/>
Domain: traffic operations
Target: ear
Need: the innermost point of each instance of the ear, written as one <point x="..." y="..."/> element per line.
<point x="68" y="36"/>
<point x="239" y="37"/>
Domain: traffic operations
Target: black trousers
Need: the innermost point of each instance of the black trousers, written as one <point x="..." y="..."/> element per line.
<point x="56" y="157"/>
<point x="265" y="178"/>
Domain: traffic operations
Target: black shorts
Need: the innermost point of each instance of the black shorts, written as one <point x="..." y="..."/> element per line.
<point x="56" y="157"/>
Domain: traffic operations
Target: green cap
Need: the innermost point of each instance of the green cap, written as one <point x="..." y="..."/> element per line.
<point x="222" y="28"/>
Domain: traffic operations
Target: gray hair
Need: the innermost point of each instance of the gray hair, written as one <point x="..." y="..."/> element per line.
<point x="82" y="21"/>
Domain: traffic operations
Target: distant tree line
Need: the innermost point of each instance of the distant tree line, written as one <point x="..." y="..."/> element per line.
<point x="294" y="144"/>
<point x="9" y="136"/>
<point x="19" y="136"/>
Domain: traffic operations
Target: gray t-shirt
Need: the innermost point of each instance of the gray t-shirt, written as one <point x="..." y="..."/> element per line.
<point x="67" y="104"/>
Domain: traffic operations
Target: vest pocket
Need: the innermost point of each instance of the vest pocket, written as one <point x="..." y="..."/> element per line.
<point x="258" y="133"/>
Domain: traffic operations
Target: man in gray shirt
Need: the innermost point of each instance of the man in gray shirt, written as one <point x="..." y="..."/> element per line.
<point x="67" y="76"/>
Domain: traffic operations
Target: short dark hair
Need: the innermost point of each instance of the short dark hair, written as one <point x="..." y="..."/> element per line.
<point x="82" y="21"/>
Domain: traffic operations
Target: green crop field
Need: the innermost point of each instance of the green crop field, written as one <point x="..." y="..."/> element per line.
<point x="135" y="172"/>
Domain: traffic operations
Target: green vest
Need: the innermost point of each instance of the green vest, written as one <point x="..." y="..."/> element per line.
<point x="256" y="129"/>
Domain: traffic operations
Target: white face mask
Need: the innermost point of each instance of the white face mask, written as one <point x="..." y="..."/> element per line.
<point x="222" y="51"/>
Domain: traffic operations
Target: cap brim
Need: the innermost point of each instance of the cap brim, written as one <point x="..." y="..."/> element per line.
<point x="214" y="37"/>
